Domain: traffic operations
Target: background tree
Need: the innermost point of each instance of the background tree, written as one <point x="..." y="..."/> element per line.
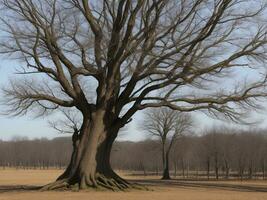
<point x="69" y="122"/>
<point x="128" y="56"/>
<point x="213" y="150"/>
<point x="167" y="126"/>
<point x="205" y="152"/>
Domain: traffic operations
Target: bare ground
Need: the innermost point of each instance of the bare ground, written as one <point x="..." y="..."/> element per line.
<point x="24" y="184"/>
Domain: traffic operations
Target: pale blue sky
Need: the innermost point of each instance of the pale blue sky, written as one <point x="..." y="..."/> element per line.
<point x="20" y="126"/>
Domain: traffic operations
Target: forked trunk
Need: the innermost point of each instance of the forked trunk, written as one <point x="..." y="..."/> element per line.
<point x="90" y="161"/>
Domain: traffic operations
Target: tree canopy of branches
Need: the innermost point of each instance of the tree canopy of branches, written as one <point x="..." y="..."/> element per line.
<point x="111" y="59"/>
<point x="167" y="126"/>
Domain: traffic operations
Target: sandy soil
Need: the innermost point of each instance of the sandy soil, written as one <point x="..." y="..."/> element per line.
<point x="11" y="182"/>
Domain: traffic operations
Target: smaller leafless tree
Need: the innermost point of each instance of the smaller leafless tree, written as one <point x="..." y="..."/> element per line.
<point x="168" y="126"/>
<point x="69" y="122"/>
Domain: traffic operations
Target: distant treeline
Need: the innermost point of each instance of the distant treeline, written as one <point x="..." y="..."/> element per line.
<point x="215" y="154"/>
<point x="38" y="153"/>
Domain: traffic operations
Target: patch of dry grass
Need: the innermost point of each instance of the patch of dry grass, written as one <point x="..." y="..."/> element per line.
<point x="27" y="177"/>
<point x="11" y="178"/>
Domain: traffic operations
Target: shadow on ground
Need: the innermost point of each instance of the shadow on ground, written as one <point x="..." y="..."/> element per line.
<point x="188" y="184"/>
<point x="18" y="188"/>
<point x="158" y="183"/>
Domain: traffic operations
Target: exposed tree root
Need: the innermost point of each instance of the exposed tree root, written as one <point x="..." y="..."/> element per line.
<point x="112" y="184"/>
<point x="57" y="185"/>
<point x="98" y="182"/>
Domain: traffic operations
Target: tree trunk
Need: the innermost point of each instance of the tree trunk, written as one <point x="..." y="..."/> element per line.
<point x="263" y="169"/>
<point x="183" y="167"/>
<point x="175" y="167"/>
<point x="166" y="171"/>
<point x="216" y="166"/>
<point x="227" y="169"/>
<point x="90" y="160"/>
<point x="250" y="170"/>
<point x="241" y="172"/>
<point x="187" y="169"/>
<point x="208" y="168"/>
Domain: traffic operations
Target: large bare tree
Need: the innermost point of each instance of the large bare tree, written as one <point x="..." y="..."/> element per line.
<point x="167" y="126"/>
<point x="111" y="59"/>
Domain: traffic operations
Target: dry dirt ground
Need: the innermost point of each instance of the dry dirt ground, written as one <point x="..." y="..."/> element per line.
<point x="20" y="184"/>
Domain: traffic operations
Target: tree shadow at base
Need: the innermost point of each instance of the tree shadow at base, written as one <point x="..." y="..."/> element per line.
<point x="18" y="188"/>
<point x="158" y="183"/>
<point x="185" y="184"/>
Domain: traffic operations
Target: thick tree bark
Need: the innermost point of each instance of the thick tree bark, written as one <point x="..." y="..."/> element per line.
<point x="90" y="160"/>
